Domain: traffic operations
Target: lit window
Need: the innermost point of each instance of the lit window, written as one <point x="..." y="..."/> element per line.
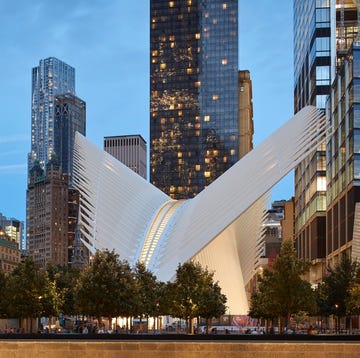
<point x="207" y="118"/>
<point x="197" y="125"/>
<point x="224" y="6"/>
<point x="197" y="133"/>
<point x="206" y="14"/>
<point x="215" y="97"/>
<point x="180" y="113"/>
<point x="179" y="155"/>
<point x="189" y="71"/>
<point x="172" y="44"/>
<point x="163" y="120"/>
<point x="197" y="118"/>
<point x="225" y="159"/>
<point x="216" y="152"/>
<point x="232" y="151"/>
<point x="224" y="61"/>
<point x="189" y="2"/>
<point x="207" y="160"/>
<point x="197" y="36"/>
<point x="162" y="66"/>
<point x="172" y="38"/>
<point x="197" y="84"/>
<point x="172" y="106"/>
<point x="197" y="167"/>
<point x="321" y="183"/>
<point x="171" y="4"/>
<point x="207" y="174"/>
<point x="154" y="53"/>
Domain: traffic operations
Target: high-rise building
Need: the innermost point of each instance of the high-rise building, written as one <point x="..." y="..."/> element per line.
<point x="70" y="117"/>
<point x="52" y="202"/>
<point x="343" y="161"/>
<point x="50" y="78"/>
<point x="323" y="32"/>
<point x="47" y="218"/>
<point x="14" y="229"/>
<point x="312" y="73"/>
<point x="194" y="134"/>
<point x="130" y="150"/>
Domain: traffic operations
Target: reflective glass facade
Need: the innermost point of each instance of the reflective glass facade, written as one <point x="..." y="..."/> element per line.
<point x="312" y="73"/>
<point x="343" y="156"/>
<point x="194" y="93"/>
<point x="50" y="78"/>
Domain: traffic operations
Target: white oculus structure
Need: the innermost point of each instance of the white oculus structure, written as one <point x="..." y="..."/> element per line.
<point x="220" y="227"/>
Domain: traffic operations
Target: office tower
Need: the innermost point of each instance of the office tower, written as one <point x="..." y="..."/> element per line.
<point x="343" y="148"/>
<point x="50" y="78"/>
<point x="130" y="150"/>
<point x="246" y="122"/>
<point x="323" y="32"/>
<point x="14" y="229"/>
<point x="47" y="219"/>
<point x="194" y="93"/>
<point x="70" y="117"/>
<point x="312" y="72"/>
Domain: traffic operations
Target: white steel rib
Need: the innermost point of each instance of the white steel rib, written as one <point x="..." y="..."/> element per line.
<point x="220" y="227"/>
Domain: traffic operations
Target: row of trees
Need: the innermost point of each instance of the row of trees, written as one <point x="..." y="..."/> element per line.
<point x="109" y="288"/>
<point x="282" y="292"/>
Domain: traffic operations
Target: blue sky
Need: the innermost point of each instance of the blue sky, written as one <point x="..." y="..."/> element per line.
<point x="107" y="42"/>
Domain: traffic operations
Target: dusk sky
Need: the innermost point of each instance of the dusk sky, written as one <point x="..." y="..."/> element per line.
<point x="108" y="44"/>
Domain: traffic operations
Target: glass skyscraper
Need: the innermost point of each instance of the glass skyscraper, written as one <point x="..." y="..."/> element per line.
<point x="194" y="134"/>
<point x="323" y="32"/>
<point x="312" y="74"/>
<point x="50" y="78"/>
<point x="70" y="117"/>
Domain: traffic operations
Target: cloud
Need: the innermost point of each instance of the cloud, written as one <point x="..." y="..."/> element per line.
<point x="14" y="138"/>
<point x="13" y="168"/>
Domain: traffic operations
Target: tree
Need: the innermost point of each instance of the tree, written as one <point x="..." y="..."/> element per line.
<point x="65" y="279"/>
<point x="339" y="289"/>
<point x="106" y="288"/>
<point x="282" y="292"/>
<point x="193" y="290"/>
<point x="29" y="293"/>
<point x="148" y="288"/>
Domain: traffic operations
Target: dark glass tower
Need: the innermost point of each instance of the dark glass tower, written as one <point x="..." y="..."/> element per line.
<point x="194" y="134"/>
<point x="70" y="117"/>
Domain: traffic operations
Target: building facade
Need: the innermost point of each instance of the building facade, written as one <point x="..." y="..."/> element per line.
<point x="14" y="229"/>
<point x="312" y="73"/>
<point x="10" y="253"/>
<point x="194" y="134"/>
<point x="50" y="78"/>
<point x="47" y="221"/>
<point x="130" y="150"/>
<point x="323" y="32"/>
<point x="246" y="121"/>
<point x="343" y="161"/>
<point x="70" y="117"/>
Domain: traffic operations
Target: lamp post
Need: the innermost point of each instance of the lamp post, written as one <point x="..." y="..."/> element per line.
<point x="336" y="318"/>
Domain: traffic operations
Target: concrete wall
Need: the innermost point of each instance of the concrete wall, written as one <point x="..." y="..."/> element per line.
<point x="63" y="349"/>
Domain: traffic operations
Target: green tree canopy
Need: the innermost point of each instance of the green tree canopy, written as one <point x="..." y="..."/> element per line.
<point x="195" y="293"/>
<point x="282" y="291"/>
